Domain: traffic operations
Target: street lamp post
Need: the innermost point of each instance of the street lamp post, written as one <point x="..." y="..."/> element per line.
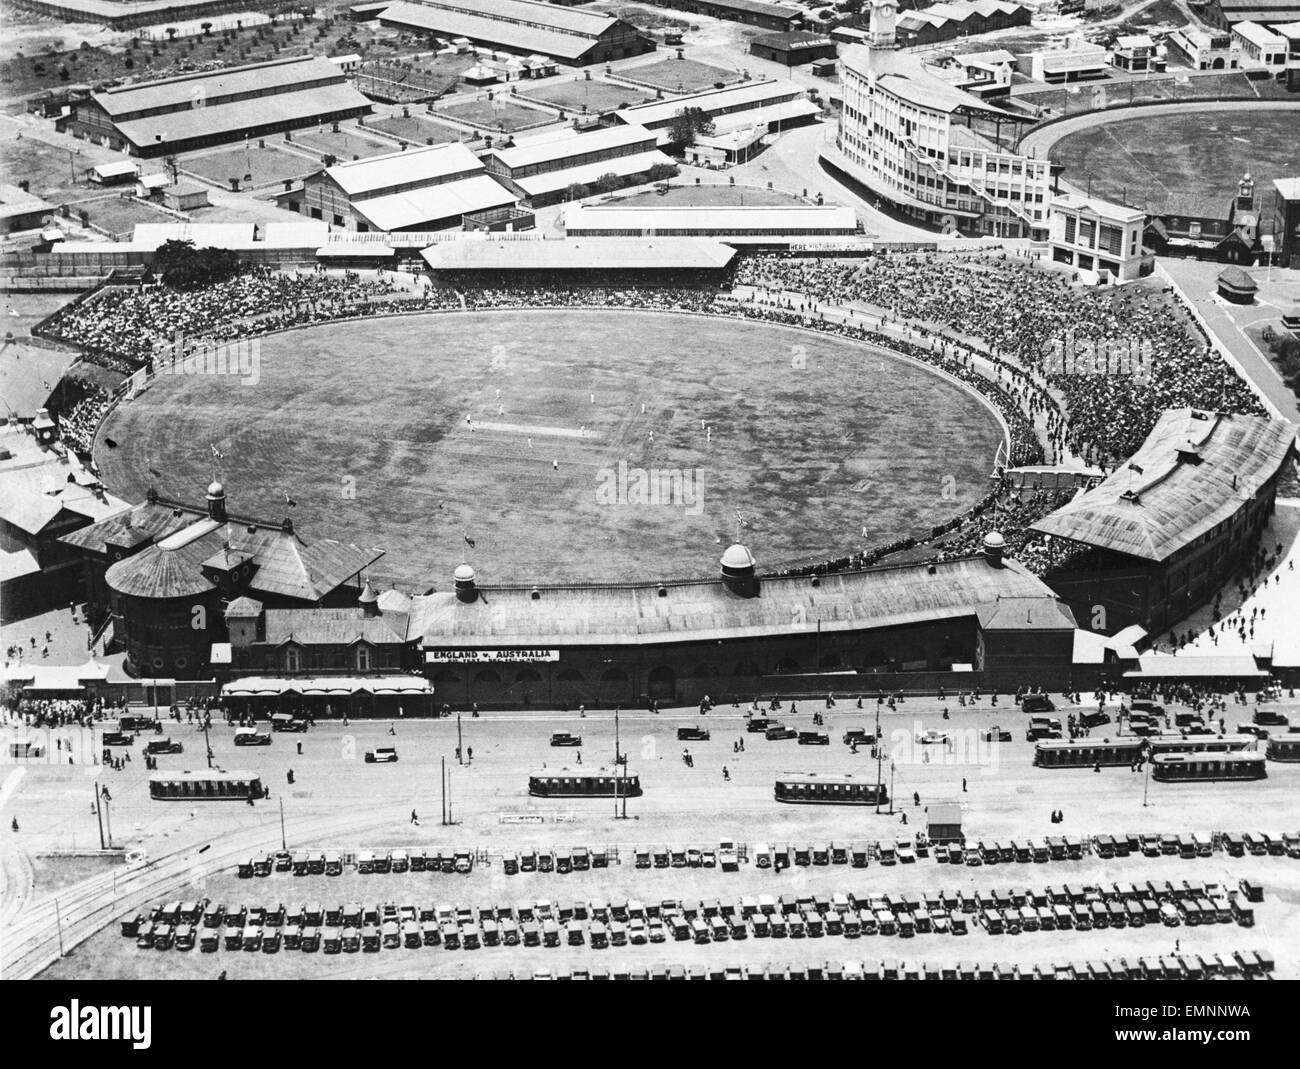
<point x="891" y="788"/>
<point x="879" y="757"/>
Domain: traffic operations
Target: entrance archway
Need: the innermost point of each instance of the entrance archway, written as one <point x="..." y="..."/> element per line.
<point x="662" y="683"/>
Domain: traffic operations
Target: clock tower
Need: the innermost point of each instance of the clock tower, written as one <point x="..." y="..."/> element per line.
<point x="881" y="30"/>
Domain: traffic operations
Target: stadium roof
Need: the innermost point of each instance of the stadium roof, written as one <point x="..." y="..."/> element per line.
<point x="1194" y="471"/>
<point x="401" y="168"/>
<point x="204" y="235"/>
<point x="185" y="89"/>
<point x="712" y="101"/>
<point x="38" y="483"/>
<point x="622" y="166"/>
<point x="216" y="119"/>
<point x="429" y="204"/>
<point x="333" y="627"/>
<point x="284" y="564"/>
<point x="482" y="28"/>
<point x="578" y="254"/>
<point x="570" y="143"/>
<point x="777" y="219"/>
<point x="708" y="610"/>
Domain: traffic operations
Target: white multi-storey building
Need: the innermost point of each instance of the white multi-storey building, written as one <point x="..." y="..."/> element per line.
<point x="901" y="136"/>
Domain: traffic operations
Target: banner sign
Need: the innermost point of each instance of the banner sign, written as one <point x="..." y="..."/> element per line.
<point x="453" y="656"/>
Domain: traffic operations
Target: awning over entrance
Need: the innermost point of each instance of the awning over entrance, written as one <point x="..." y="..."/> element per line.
<point x="274" y="686"/>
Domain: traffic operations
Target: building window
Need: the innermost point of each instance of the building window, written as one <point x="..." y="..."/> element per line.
<point x="292" y="659"/>
<point x="363" y="658"/>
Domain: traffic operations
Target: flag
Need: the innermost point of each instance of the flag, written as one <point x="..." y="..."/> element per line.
<point x="469" y="541"/>
<point x="1136" y="468"/>
<point x="289" y="501"/>
<point x="155" y="473"/>
<point x="217" y="454"/>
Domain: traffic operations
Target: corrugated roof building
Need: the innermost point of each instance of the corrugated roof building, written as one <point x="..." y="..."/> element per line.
<point x="523" y="27"/>
<point x="216" y="107"/>
<point x="429" y="188"/>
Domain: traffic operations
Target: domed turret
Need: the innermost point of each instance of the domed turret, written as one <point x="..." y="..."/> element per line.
<point x="369" y="599"/>
<point x="465" y="588"/>
<point x="217" y="501"/>
<point x="995" y="547"/>
<point x="738" y="570"/>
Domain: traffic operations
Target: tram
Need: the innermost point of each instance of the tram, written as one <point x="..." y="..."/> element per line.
<point x="584" y="783"/>
<point x="823" y="788"/>
<point x="1179" y="768"/>
<point x="213" y="784"/>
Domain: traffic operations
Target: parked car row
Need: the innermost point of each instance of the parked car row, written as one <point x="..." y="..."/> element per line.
<point x="628" y="921"/>
<point x="728" y="855"/>
<point x="1239" y="965"/>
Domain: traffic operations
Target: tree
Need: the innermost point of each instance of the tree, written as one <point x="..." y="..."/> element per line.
<point x="607" y="183"/>
<point x="171" y="33"/>
<point x="206" y="27"/>
<point x="184" y="267"/>
<point x="686" y="124"/>
<point x="661" y="172"/>
<point x="576" y="191"/>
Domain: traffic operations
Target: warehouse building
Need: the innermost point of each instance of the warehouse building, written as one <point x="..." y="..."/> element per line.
<point x="780" y="17"/>
<point x="1227" y="13"/>
<point x="576" y="38"/>
<point x="793" y="49"/>
<point x="429" y="188"/>
<point x="21" y="210"/>
<point x="960" y="18"/>
<point x="541" y="169"/>
<point x="773" y="105"/>
<point x="199" y="110"/>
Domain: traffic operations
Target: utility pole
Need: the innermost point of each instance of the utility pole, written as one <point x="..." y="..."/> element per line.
<point x="207" y="743"/>
<point x="1146" y="784"/>
<point x="284" y="845"/>
<point x="108" y="818"/>
<point x="891" y="788"/>
<point x="443" y="785"/>
<point x="58" y="919"/>
<point x="99" y="817"/>
<point x="460" y="743"/>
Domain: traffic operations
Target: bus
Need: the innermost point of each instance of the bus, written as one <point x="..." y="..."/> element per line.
<point x="1286" y="748"/>
<point x="827" y="788"/>
<point x="212" y="784"/>
<point x="1087" y="753"/>
<point x="1177" y="767"/>
<point x="584" y="783"/>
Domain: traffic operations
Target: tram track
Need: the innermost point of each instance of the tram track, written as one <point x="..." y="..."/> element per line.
<point x="56" y="924"/>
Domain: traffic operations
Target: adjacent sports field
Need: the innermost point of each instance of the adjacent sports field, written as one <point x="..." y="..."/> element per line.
<point x="390" y="433"/>
<point x="1144" y="160"/>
